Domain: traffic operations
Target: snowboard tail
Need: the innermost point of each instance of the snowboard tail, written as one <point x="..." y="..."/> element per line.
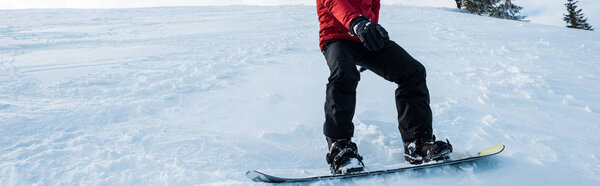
<point x="262" y="177"/>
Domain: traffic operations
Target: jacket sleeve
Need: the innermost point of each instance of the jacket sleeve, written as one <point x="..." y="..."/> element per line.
<point x="342" y="10"/>
<point x="375" y="8"/>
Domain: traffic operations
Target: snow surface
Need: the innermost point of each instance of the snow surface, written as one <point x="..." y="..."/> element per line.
<point x="199" y="95"/>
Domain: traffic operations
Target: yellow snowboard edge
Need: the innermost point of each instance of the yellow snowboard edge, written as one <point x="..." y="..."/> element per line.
<point x="491" y="150"/>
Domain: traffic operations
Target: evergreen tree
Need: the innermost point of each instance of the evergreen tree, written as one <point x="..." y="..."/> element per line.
<point x="479" y="7"/>
<point x="575" y="18"/>
<point x="507" y="10"/>
<point x="503" y="9"/>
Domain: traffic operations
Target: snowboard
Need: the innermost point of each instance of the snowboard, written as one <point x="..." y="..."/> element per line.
<point x="455" y="159"/>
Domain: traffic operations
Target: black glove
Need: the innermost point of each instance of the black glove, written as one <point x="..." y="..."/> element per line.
<point x="372" y="35"/>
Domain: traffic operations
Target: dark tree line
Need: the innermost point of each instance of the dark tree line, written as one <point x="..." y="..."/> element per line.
<point x="505" y="9"/>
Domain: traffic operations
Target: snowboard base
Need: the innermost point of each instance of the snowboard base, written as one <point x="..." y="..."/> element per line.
<point x="262" y="177"/>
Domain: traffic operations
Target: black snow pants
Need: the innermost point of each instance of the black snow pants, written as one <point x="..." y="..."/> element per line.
<point x="392" y="63"/>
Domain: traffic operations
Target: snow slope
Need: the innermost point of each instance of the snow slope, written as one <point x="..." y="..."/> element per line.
<point x="199" y="95"/>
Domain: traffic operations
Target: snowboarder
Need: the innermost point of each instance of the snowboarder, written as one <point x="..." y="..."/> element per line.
<point x="350" y="35"/>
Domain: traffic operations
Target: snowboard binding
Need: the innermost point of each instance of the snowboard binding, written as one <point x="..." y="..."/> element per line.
<point x="343" y="157"/>
<point x="423" y="151"/>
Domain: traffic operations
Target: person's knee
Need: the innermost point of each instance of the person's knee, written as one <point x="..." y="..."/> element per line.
<point x="345" y="77"/>
<point x="407" y="75"/>
<point x="420" y="71"/>
<point x="416" y="76"/>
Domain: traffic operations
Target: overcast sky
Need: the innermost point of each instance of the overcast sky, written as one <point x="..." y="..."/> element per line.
<point x="538" y="11"/>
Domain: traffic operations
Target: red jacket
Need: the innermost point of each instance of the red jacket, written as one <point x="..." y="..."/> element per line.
<point x="335" y="17"/>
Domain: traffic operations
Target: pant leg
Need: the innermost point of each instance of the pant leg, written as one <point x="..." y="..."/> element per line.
<point x="412" y="96"/>
<point x="340" y="100"/>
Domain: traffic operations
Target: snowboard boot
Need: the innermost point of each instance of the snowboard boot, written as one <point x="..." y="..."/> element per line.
<point x="343" y="157"/>
<point x="425" y="150"/>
